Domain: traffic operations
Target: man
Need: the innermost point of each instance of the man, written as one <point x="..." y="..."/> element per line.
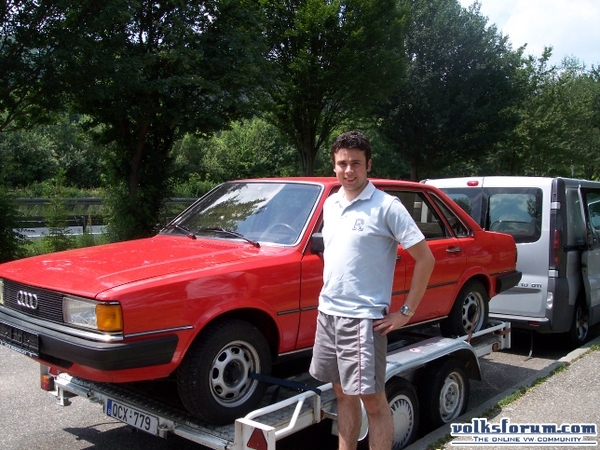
<point x="362" y="229"/>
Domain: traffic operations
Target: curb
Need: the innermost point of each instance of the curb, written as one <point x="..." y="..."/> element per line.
<point x="443" y="431"/>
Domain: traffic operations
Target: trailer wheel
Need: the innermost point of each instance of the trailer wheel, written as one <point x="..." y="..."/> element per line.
<point x="404" y="403"/>
<point x="444" y="392"/>
<point x="580" y="326"/>
<point x="470" y="311"/>
<point x="214" y="381"/>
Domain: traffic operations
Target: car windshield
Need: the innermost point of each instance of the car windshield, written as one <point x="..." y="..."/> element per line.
<point x="266" y="212"/>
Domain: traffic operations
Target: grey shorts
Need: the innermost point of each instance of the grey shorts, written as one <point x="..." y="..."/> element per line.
<point x="348" y="352"/>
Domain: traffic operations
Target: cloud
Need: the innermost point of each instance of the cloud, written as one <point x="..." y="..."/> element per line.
<point x="571" y="27"/>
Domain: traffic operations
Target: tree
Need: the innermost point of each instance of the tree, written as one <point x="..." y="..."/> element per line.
<point x="26" y="57"/>
<point x="461" y="80"/>
<point x="332" y="61"/>
<point x="12" y="241"/>
<point x="249" y="149"/>
<point x="558" y="134"/>
<point x="149" y="72"/>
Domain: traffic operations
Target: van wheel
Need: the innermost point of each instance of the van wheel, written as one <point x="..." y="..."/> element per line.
<point x="470" y="311"/>
<point x="444" y="392"/>
<point x="214" y="381"/>
<point x="581" y="325"/>
<point x="404" y="403"/>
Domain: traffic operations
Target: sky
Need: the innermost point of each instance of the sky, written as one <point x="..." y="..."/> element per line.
<point x="571" y="27"/>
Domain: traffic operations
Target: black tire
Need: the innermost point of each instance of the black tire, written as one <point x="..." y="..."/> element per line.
<point x="444" y="393"/>
<point x="404" y="404"/>
<point x="580" y="327"/>
<point x="471" y="309"/>
<point x="213" y="379"/>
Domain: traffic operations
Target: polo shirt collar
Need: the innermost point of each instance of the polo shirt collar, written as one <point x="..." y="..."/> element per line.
<point x="365" y="194"/>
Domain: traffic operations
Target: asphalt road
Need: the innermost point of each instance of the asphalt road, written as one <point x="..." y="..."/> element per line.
<point x="31" y="419"/>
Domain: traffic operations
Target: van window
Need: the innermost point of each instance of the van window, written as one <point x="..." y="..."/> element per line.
<point x="515" y="211"/>
<point x="576" y="229"/>
<point x="593" y="203"/>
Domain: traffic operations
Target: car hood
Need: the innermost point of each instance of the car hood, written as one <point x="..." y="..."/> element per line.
<point x="89" y="271"/>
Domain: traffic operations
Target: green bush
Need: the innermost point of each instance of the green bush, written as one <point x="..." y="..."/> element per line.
<point x="13" y="244"/>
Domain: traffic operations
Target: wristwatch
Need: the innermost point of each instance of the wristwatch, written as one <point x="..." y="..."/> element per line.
<point x="406" y="311"/>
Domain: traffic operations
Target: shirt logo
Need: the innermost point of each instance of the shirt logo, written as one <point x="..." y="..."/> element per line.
<point x="358" y="225"/>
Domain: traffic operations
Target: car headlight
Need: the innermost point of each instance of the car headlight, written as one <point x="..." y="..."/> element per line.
<point x="106" y="317"/>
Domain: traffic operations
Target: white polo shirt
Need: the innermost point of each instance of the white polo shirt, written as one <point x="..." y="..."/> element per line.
<point x="361" y="243"/>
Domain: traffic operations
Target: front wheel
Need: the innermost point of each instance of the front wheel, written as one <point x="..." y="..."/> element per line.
<point x="214" y="381"/>
<point x="444" y="392"/>
<point x="470" y="311"/>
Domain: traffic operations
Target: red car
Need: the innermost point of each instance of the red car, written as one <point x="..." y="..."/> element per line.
<point x="229" y="286"/>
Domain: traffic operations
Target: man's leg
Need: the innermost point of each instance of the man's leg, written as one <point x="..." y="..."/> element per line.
<point x="349" y="418"/>
<point x="381" y="425"/>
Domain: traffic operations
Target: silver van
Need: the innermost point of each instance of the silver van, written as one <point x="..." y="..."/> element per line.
<point x="556" y="225"/>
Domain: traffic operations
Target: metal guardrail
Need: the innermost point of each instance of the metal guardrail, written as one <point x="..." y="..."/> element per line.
<point x="78" y="220"/>
<point x="94" y="201"/>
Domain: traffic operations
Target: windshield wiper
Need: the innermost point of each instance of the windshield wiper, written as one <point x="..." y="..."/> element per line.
<point x="229" y="232"/>
<point x="184" y="230"/>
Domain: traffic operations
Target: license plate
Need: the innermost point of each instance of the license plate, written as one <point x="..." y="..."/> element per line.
<point x="132" y="416"/>
<point x="19" y="340"/>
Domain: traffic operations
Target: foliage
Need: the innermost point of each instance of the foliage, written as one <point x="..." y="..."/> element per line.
<point x="461" y="80"/>
<point x="12" y="241"/>
<point x="25" y="157"/>
<point x="558" y="134"/>
<point x="250" y="149"/>
<point x="26" y="57"/>
<point x="193" y="187"/>
<point x="331" y="61"/>
<point x="36" y="155"/>
<point x="59" y="237"/>
<point x="148" y="72"/>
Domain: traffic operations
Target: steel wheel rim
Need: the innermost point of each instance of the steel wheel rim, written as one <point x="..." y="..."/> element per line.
<point x="452" y="396"/>
<point x="230" y="382"/>
<point x="473" y="304"/>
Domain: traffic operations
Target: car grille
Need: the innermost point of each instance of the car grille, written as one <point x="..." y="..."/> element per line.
<point x="49" y="302"/>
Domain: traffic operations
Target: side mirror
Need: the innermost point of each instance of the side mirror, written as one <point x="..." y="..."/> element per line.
<point x="317" y="245"/>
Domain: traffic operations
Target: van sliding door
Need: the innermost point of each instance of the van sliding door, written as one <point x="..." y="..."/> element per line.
<point x="590" y="261"/>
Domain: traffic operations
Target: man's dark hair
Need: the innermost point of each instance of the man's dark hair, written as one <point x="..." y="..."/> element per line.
<point x="351" y="139"/>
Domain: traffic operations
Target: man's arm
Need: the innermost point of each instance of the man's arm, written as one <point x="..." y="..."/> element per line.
<point x="424" y="262"/>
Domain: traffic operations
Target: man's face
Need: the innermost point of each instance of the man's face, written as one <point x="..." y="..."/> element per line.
<point x="351" y="168"/>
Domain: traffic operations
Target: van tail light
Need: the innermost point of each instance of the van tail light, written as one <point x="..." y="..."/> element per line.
<point x="556" y="251"/>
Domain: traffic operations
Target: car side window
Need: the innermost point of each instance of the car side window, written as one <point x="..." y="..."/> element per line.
<point x="423" y="214"/>
<point x="459" y="228"/>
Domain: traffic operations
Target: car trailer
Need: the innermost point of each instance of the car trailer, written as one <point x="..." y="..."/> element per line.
<point x="425" y="372"/>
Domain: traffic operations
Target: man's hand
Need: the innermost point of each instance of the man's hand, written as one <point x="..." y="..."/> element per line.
<point x="391" y="322"/>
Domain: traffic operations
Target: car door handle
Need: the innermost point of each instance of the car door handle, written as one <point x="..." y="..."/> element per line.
<point x="453" y="250"/>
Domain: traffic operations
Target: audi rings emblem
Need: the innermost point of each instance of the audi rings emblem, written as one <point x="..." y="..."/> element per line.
<point x="27" y="299"/>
